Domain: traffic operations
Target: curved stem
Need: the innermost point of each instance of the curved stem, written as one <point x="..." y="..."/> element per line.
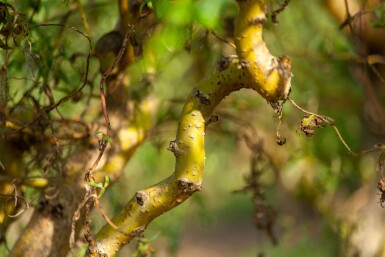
<point x="256" y="69"/>
<point x="272" y="74"/>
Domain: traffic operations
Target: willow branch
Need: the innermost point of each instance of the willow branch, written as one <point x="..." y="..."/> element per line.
<point x="256" y="69"/>
<point x="272" y="74"/>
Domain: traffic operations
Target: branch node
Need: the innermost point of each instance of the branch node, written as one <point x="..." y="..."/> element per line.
<point x="284" y="62"/>
<point x="257" y="21"/>
<point x="204" y="99"/>
<point x="243" y="64"/>
<point x="224" y="62"/>
<point x="188" y="187"/>
<point x="173" y="147"/>
<point x="140" y="198"/>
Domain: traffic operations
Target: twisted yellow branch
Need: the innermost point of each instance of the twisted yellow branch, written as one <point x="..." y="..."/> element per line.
<point x="255" y="68"/>
<point x="271" y="74"/>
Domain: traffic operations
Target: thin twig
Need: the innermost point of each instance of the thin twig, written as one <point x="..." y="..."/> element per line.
<point x="348" y="16"/>
<point x="89" y="175"/>
<point x="109" y="221"/>
<point x="278" y="108"/>
<point x="103" y="146"/>
<point x="281" y="8"/>
<point x="223" y="39"/>
<point x="76" y="217"/>
<point x="378" y="74"/>
<point x="332" y="123"/>
<point x="84" y="18"/>
<point x="91" y="192"/>
<point x="74" y="92"/>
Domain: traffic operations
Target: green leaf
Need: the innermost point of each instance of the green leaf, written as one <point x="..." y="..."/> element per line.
<point x="106" y="181"/>
<point x="107" y="138"/>
<point x="99" y="185"/>
<point x="104" y="136"/>
<point x="306" y="121"/>
<point x="94" y="184"/>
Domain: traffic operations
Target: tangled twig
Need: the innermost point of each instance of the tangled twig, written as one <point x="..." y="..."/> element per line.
<point x="74" y="92"/>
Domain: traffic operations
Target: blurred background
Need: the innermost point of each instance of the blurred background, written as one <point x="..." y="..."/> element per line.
<point x="309" y="197"/>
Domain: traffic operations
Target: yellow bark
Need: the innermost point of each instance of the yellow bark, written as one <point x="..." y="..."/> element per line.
<point x="255" y="68"/>
<point x="271" y="74"/>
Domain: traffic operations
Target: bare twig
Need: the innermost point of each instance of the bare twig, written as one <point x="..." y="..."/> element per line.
<point x="103" y="144"/>
<point x="281" y="8"/>
<point x="76" y="217"/>
<point x="332" y="123"/>
<point x="278" y="108"/>
<point x="109" y="221"/>
<point x="223" y="39"/>
<point x="91" y="192"/>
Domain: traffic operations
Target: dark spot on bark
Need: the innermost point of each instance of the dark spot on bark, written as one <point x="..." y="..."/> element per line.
<point x="139" y="199"/>
<point x="188" y="187"/>
<point x="202" y="98"/>
<point x="243" y="64"/>
<point x="257" y="21"/>
<point x="281" y="141"/>
<point x="223" y="63"/>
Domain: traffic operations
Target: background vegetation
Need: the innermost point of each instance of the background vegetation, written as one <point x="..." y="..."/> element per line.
<point x="318" y="200"/>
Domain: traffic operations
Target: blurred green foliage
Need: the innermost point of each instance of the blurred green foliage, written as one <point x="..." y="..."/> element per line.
<point x="379" y="17"/>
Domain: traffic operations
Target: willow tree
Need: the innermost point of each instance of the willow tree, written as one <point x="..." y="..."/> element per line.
<point x="71" y="156"/>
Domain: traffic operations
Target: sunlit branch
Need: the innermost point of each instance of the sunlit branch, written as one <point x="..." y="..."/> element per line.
<point x="257" y="69"/>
